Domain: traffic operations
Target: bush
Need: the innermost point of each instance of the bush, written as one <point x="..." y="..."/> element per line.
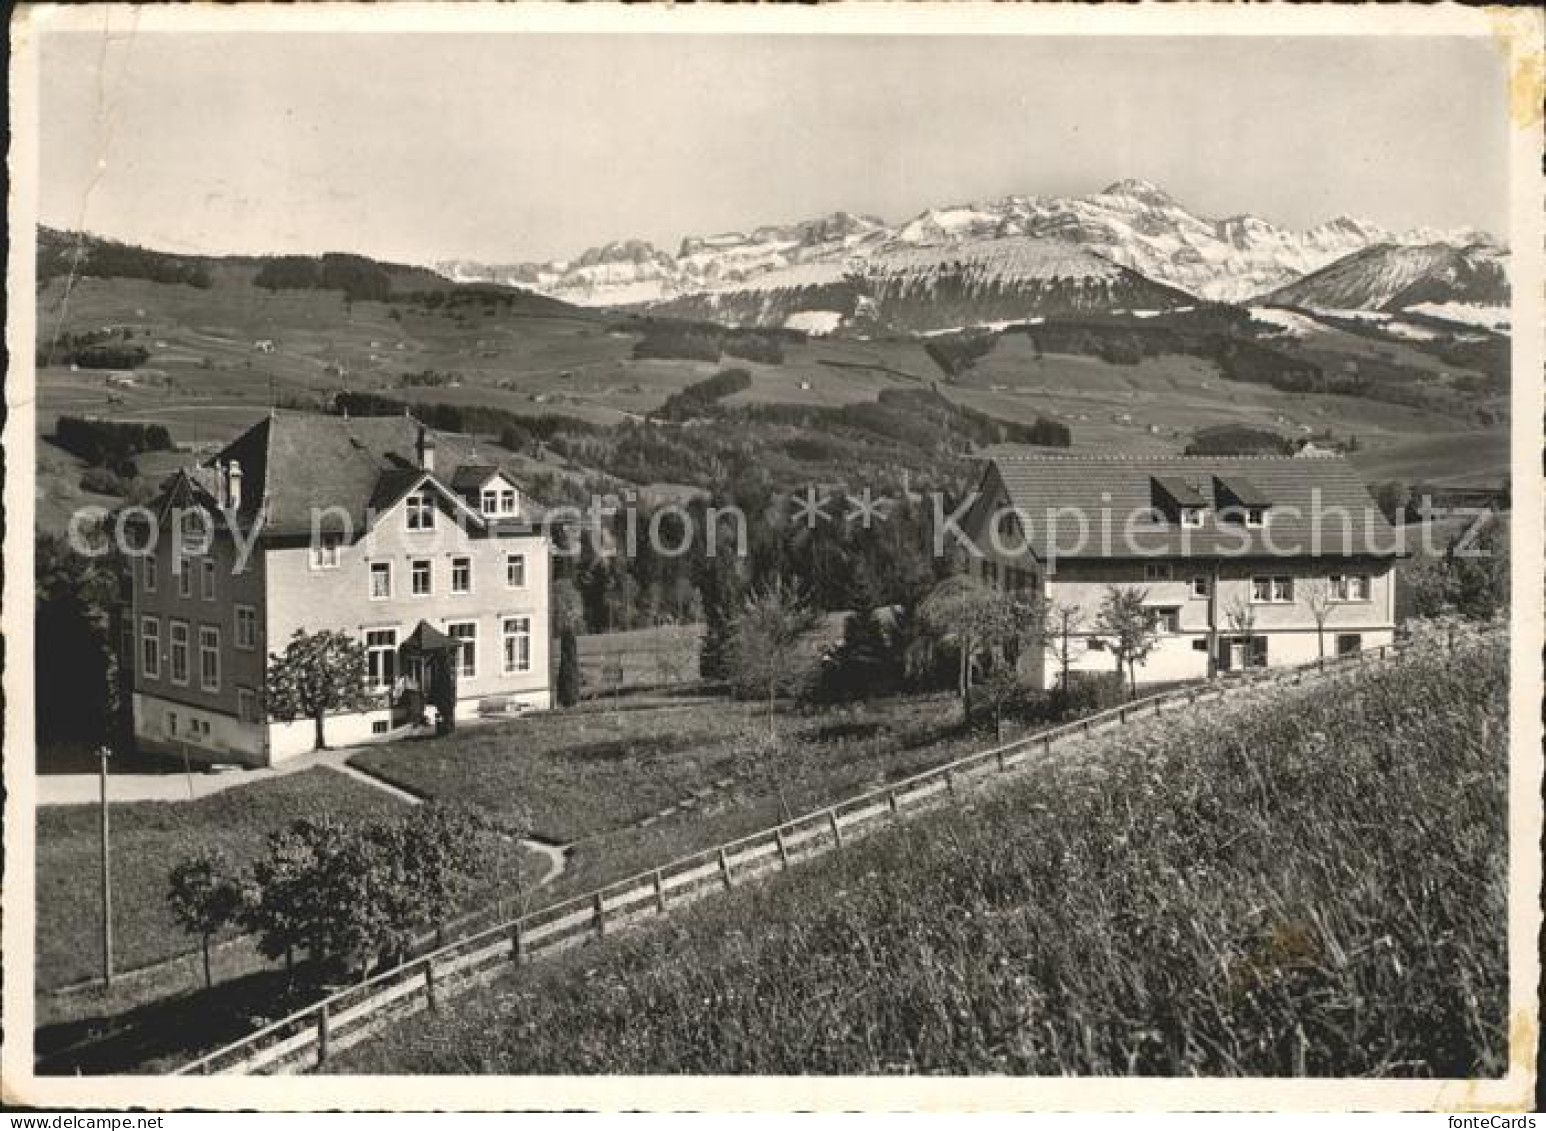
<point x="101" y="481"/>
<point x="110" y="443"/>
<point x="1088" y="693"/>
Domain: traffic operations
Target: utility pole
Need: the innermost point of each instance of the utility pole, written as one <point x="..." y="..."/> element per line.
<point x="105" y="752"/>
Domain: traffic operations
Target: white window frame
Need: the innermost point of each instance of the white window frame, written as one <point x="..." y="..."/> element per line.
<point x="380" y="569"/>
<point x="148" y="572"/>
<point x="511" y="560"/>
<point x="247" y="705"/>
<point x="465" y="670"/>
<point x="245" y="627"/>
<point x="1343" y="584"/>
<point x="1255" y="517"/>
<point x="387" y="648"/>
<point x="419" y="513"/>
<point x="1159" y="571"/>
<point x="1273" y="583"/>
<point x="425" y="568"/>
<point x="184" y="577"/>
<point x="1202" y="586"/>
<point x="325" y="552"/>
<point x="1192" y="516"/>
<point x="172" y="642"/>
<point x="209" y="646"/>
<point x="522" y="634"/>
<point x="464" y="564"/>
<point x="488" y="500"/>
<point x="207" y="578"/>
<point x="1164" y="613"/>
<point x="150" y="647"/>
<point x="507" y="500"/>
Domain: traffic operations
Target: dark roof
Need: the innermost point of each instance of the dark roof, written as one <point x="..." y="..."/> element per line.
<point x="427" y="638"/>
<point x="1241" y="491"/>
<point x="1183" y="492"/>
<point x="472" y="475"/>
<point x="295" y="462"/>
<point x="1307" y="497"/>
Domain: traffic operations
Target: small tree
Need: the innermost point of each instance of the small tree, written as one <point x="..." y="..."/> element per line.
<point x="1132" y="626"/>
<point x="282" y="906"/>
<point x="976" y="619"/>
<point x="318" y="673"/>
<point x="442" y="852"/>
<point x="1322" y="602"/>
<point x="205" y="896"/>
<point x="720" y="590"/>
<point x="1241" y="615"/>
<point x="767" y="650"/>
<point x="1064" y="640"/>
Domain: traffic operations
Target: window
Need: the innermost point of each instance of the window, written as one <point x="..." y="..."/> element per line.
<point x="150" y="647"/>
<point x="421" y="511"/>
<point x="1157" y="571"/>
<point x="1168" y="620"/>
<point x="1349" y="643"/>
<point x="207" y="579"/>
<point x="196" y="531"/>
<point x="1200" y="645"/>
<point x="517" y="644"/>
<point x="381" y="658"/>
<point x="490" y="502"/>
<point x="247" y="705"/>
<point x="324" y="552"/>
<point x="507" y="501"/>
<point x="515" y="571"/>
<point x="419" y="577"/>
<point x="209" y="657"/>
<point x="150" y="573"/>
<point x="380" y="580"/>
<point x="184" y="577"/>
<point x="246" y="627"/>
<point x="171" y="723"/>
<point x="467" y="633"/>
<point x="177" y="650"/>
<point x="381" y="726"/>
<point x="1272" y="590"/>
<point x="1255" y="516"/>
<point x="1191" y="516"/>
<point x="1350" y="587"/>
<point x="1200" y="586"/>
<point x="461" y="575"/>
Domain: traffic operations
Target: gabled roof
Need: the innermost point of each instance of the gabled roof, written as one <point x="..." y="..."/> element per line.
<point x="1185" y="493"/>
<point x="1306" y="495"/>
<point x="296" y="462"/>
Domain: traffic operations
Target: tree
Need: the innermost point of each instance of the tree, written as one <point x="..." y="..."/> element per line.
<point x="767" y="652"/>
<point x="1241" y="615"/>
<point x="440" y="853"/>
<point x="978" y="620"/>
<point x="1062" y="639"/>
<point x="1132" y="626"/>
<point x="318" y="673"/>
<point x="568" y="669"/>
<point x="205" y="895"/>
<point x="282" y="904"/>
<point x="1322" y="602"/>
<point x="1470" y="578"/>
<point x="76" y="598"/>
<point x="721" y="592"/>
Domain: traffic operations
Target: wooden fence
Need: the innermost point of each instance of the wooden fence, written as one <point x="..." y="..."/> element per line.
<point x="312" y="1035"/>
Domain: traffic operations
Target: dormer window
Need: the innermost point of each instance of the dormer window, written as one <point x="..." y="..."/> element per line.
<point x="1191" y="516"/>
<point x="1174" y="499"/>
<point x="1242" y="501"/>
<point x="498" y="500"/>
<point x="1256" y="516"/>
<point x="421" y="511"/>
<point x="507" y="501"/>
<point x="490" y="501"/>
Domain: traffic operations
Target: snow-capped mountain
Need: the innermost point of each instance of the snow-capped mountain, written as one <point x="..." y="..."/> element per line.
<point x="1393" y="278"/>
<point x="1132" y="224"/>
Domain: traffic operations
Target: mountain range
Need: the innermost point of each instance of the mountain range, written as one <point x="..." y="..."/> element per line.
<point x="1129" y="246"/>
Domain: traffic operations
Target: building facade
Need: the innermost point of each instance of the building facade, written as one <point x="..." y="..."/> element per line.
<point x="1242" y="561"/>
<point x="372" y="528"/>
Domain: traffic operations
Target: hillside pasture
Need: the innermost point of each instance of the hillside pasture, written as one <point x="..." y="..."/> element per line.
<point x="1174" y="903"/>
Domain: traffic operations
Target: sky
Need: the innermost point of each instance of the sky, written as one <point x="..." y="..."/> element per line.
<point x="509" y="148"/>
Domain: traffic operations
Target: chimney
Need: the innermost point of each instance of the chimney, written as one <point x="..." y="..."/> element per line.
<point x="233" y="489"/>
<point x="426" y="449"/>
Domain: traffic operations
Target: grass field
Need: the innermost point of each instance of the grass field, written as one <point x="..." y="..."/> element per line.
<point x="1306" y="884"/>
<point x="148" y="839"/>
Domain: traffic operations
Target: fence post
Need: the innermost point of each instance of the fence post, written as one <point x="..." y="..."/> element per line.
<point x="324" y="1034"/>
<point x="1000" y="765"/>
<point x="601" y="915"/>
<point x="660" y="893"/>
<point x="517" y="943"/>
<point x="429" y="984"/>
<point x="783" y="849"/>
<point x="1046" y="743"/>
<point x="891" y="793"/>
<point x="837" y="833"/>
<point x="1121" y="716"/>
<point x="724" y="868"/>
<point x="950" y="782"/>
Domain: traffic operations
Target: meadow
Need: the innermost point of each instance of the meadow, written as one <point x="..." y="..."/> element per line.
<point x="1300" y="883"/>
